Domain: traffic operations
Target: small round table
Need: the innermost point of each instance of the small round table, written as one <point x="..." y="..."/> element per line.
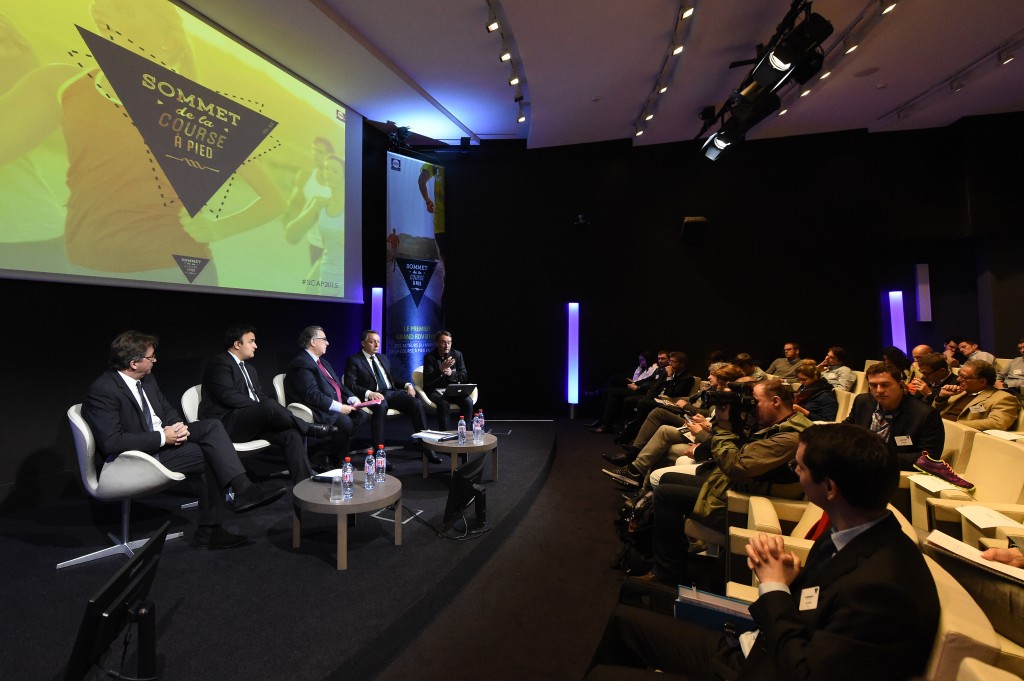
<point x="453" y="449"/>
<point x="316" y="497"/>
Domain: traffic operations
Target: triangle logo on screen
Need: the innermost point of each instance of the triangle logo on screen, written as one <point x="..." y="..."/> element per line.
<point x="190" y="266"/>
<point x="198" y="137"/>
<point x="417" y="274"/>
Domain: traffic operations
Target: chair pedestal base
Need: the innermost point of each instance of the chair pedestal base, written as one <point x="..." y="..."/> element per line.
<point x="119" y="548"/>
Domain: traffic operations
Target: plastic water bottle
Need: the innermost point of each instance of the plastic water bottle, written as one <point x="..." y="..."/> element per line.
<point x="478" y="430"/>
<point x="369" y="470"/>
<point x="347" y="475"/>
<point x="462" y="430"/>
<point x="382" y="464"/>
<point x="480" y="413"/>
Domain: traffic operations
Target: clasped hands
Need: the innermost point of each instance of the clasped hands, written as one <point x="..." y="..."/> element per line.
<point x="771" y="562"/>
<point x="176" y="434"/>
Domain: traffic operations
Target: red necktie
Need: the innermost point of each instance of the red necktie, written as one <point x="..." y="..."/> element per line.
<point x="330" y="379"/>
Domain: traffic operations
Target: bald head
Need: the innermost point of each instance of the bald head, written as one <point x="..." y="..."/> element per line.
<point x="920" y="351"/>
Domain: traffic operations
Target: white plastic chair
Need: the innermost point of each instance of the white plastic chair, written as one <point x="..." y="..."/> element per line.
<point x="190" y="406"/>
<point x="131" y="474"/>
<point x="417" y="381"/>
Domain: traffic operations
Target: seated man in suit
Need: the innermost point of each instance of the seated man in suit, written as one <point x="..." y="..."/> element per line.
<point x="932" y="373"/>
<point x="126" y="411"/>
<point x="441" y="368"/>
<point x="865" y="600"/>
<point x="910" y="427"/>
<point x="232" y="393"/>
<point x="312" y="381"/>
<point x="368" y="375"/>
<point x="975" y="401"/>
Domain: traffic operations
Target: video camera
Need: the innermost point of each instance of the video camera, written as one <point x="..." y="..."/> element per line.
<point x="739" y="398"/>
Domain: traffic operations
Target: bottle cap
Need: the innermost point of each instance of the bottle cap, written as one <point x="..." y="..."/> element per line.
<point x="348" y="459"/>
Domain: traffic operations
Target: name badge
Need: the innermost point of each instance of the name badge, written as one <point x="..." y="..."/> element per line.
<point x="977" y="409"/>
<point x="809" y="598"/>
<point x="903" y="441"/>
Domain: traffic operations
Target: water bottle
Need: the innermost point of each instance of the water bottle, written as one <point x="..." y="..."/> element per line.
<point x="462" y="430"/>
<point x="480" y="413"/>
<point x="478" y="430"/>
<point x="369" y="470"/>
<point x="347" y="475"/>
<point x="382" y="464"/>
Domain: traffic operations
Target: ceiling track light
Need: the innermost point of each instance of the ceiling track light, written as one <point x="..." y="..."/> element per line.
<point x="492" y="20"/>
<point x="521" y="118"/>
<point x="687" y="10"/>
<point x="1004" y="57"/>
<point x="513" y="79"/>
<point x="678" y="49"/>
<point x="849" y="45"/>
<point x="956" y="85"/>
<point x="887" y="6"/>
<point x="505" y="54"/>
<point x="639" y="133"/>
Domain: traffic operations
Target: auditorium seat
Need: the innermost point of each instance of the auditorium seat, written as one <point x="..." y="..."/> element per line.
<point x="845" y="399"/>
<point x="131" y="474"/>
<point x="995" y="467"/>
<point x="861" y="386"/>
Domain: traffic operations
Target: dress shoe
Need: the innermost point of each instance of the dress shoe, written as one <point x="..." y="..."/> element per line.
<point x="320" y="463"/>
<point x="432" y="457"/>
<point x="616" y="459"/>
<point x="321" y="429"/>
<point x="257" y="495"/>
<point x="216" y="537"/>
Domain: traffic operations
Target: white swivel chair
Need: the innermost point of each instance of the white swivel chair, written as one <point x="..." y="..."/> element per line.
<point x="131" y="474"/>
<point x="190" y="406"/>
<point x="297" y="408"/>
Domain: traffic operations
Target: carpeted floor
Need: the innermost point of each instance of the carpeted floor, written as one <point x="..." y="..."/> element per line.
<point x="432" y="608"/>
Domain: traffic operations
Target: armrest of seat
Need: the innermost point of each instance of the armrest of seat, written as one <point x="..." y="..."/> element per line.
<point x="739" y="537"/>
<point x="302" y="411"/>
<point x="423" y="397"/>
<point x="133" y="473"/>
<point x="919" y="514"/>
<point x="741" y="592"/>
<point x="762" y="517"/>
<point x="976" y="670"/>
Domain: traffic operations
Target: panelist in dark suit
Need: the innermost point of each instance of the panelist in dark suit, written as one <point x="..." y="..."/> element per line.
<point x="312" y="381"/>
<point x="441" y="368"/>
<point x="864" y="606"/>
<point x="126" y="411"/>
<point x="233" y="394"/>
<point x="909" y="426"/>
<point x="368" y="375"/>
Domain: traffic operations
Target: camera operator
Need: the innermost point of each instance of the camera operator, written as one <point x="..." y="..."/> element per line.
<point x="746" y="459"/>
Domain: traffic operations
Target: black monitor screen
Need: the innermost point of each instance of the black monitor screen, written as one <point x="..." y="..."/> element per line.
<point x="109" y="610"/>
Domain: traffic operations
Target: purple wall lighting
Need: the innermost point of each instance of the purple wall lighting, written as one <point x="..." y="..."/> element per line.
<point x="572" y="377"/>
<point x="896" y="323"/>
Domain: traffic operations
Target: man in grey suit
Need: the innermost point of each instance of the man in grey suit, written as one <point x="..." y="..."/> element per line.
<point x="126" y="411"/>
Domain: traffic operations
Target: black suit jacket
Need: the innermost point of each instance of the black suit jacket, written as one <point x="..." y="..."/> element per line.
<point x="914" y="418"/>
<point x="360" y="379"/>
<point x="303" y="382"/>
<point x="224" y="388"/>
<point x="112" y="411"/>
<point x="432" y="376"/>
<point x="875" y="618"/>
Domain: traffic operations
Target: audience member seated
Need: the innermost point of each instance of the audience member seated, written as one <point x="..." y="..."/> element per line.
<point x="834" y="370"/>
<point x="720" y="376"/>
<point x="864" y="607"/>
<point x="785" y="367"/>
<point x="750" y="460"/>
<point x="1012" y="378"/>
<point x="616" y="391"/>
<point x="969" y="349"/>
<point x="975" y="401"/>
<point x="897" y="357"/>
<point x="932" y="373"/>
<point x="951" y="349"/>
<point x="910" y="427"/>
<point x="675" y="383"/>
<point x="746" y="362"/>
<point x="815" y="399"/>
<point x="916" y="354"/>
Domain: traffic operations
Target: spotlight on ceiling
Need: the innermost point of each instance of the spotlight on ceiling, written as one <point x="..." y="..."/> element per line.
<point x="521" y="118"/>
<point x="505" y="54"/>
<point x="678" y="49"/>
<point x="513" y="80"/>
<point x="492" y="22"/>
<point x="797" y="54"/>
<point x="1004" y="56"/>
<point x="887" y="5"/>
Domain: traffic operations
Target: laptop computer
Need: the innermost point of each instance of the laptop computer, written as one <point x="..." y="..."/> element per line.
<point x="459" y="389"/>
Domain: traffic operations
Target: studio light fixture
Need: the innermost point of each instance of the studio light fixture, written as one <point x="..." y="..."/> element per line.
<point x="638" y="133"/>
<point x="663" y="90"/>
<point x="672" y="57"/>
<point x="506" y="53"/>
<point x="492" y="20"/>
<point x="497" y="22"/>
<point x="1004" y="57"/>
<point x="521" y="118"/>
<point x="513" y="80"/>
<point x="956" y="85"/>
<point x="887" y="5"/>
<point x="648" y="117"/>
<point x="677" y="50"/>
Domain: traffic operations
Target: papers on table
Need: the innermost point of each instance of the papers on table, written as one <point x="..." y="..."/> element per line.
<point x="327" y="476"/>
<point x="435" y="436"/>
<point x="985" y="518"/>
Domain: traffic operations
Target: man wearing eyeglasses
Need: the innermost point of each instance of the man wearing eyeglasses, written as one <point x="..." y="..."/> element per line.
<point x="312" y="381"/>
<point x="126" y="411"/>
<point x="975" y="401"/>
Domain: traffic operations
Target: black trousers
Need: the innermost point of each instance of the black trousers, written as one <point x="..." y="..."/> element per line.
<point x="444" y="410"/>
<point x="410" y="405"/>
<point x="209" y="452"/>
<point x="268" y="420"/>
<point x="674" y="499"/>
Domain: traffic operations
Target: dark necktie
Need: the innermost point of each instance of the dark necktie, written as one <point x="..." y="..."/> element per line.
<point x="147" y="415"/>
<point x="381" y="383"/>
<point x="248" y="383"/>
<point x="820" y="554"/>
<point x="330" y="379"/>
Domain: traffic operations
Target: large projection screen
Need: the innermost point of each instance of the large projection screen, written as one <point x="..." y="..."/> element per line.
<point x="142" y="146"/>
